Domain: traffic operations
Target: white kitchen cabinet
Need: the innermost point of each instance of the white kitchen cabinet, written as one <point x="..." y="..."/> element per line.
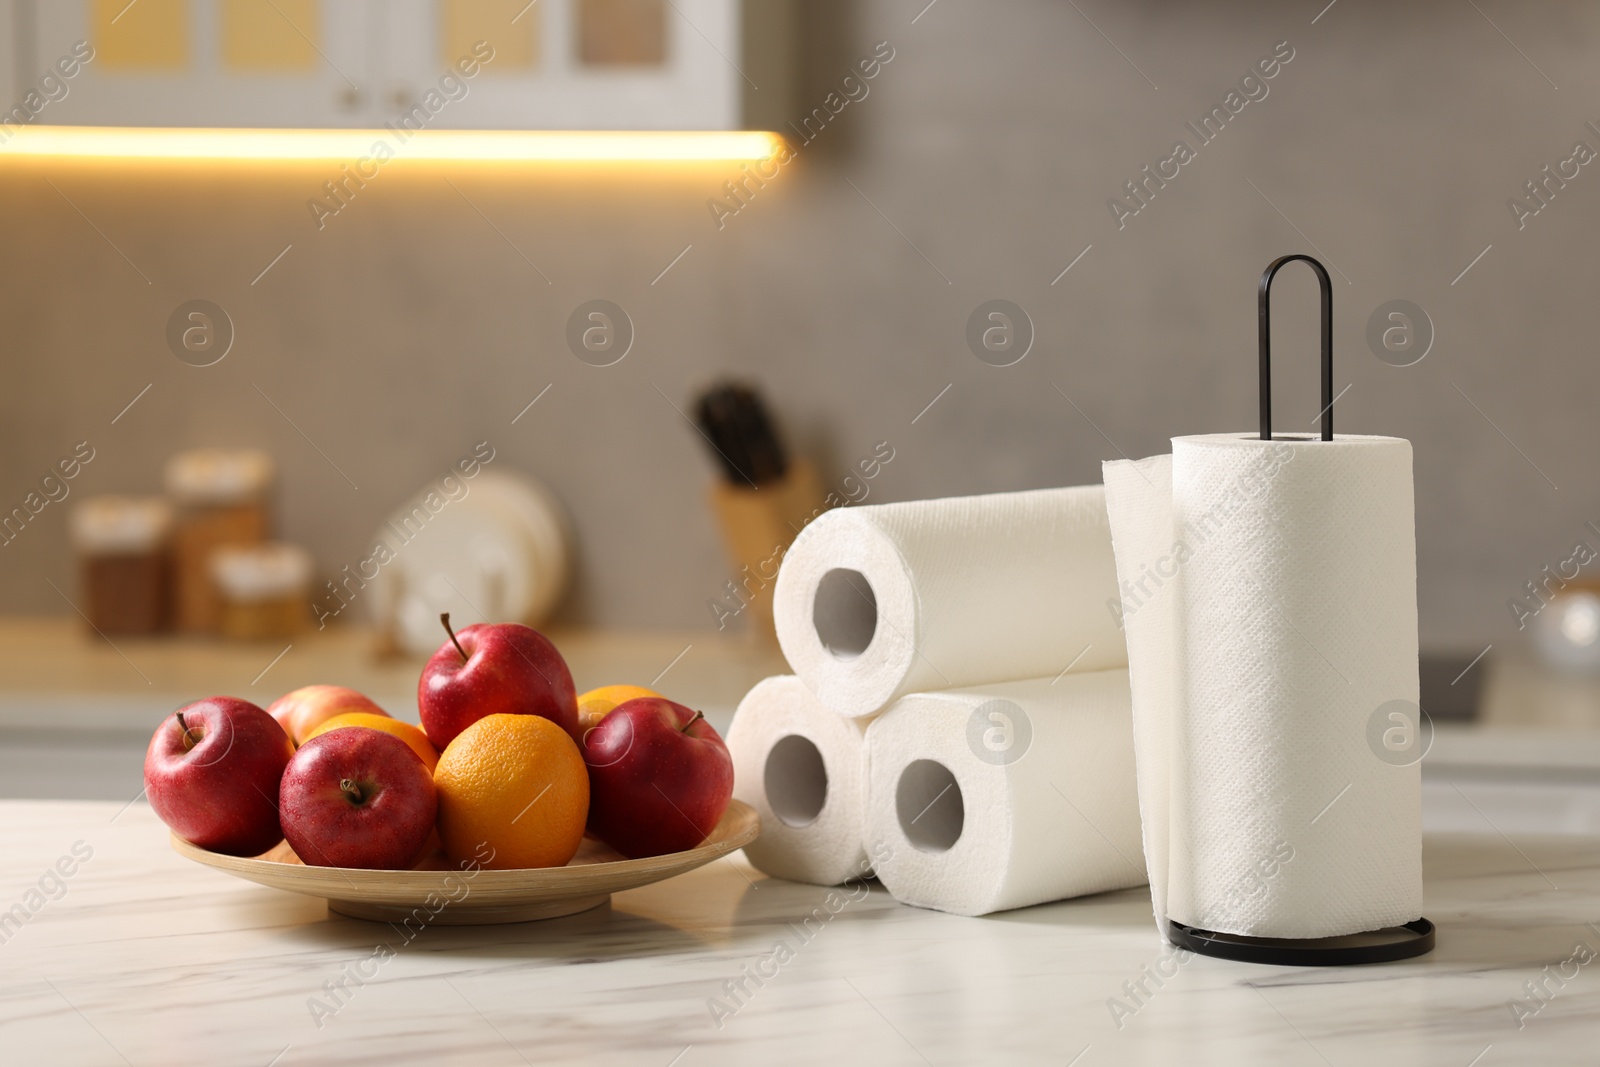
<point x="293" y="63"/>
<point x="539" y="78"/>
<point x="556" y="64"/>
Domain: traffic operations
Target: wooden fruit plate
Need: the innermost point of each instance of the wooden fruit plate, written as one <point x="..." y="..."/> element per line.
<point x="435" y="892"/>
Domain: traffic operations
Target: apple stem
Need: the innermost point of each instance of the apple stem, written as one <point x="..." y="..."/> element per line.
<point x="190" y="738"/>
<point x="697" y="717"/>
<point x="351" y="790"/>
<point x="444" y="617"/>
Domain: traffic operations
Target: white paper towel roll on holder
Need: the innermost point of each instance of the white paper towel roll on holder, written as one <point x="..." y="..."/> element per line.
<point x="1415" y="938"/>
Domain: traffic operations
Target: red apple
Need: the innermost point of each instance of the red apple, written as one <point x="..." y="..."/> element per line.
<point x="357" y="798"/>
<point x="307" y="708"/>
<point x="494" y="669"/>
<point x="212" y="773"/>
<point x="660" y="777"/>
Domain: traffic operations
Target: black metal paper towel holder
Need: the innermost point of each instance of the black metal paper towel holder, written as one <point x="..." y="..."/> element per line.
<point x="1264" y="321"/>
<point x="1391" y="943"/>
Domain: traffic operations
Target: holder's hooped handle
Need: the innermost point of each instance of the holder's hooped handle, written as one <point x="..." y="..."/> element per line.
<point x="1265" y="319"/>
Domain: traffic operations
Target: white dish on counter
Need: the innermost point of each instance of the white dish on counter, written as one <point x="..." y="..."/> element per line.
<point x="501" y="553"/>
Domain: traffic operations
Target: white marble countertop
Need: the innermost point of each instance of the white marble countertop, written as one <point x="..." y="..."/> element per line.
<point x="145" y="958"/>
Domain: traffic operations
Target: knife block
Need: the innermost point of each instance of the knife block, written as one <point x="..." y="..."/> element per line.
<point x="758" y="525"/>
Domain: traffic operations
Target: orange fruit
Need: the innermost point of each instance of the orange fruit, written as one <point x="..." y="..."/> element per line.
<point x="596" y="704"/>
<point x="411" y="735"/>
<point x="513" y="792"/>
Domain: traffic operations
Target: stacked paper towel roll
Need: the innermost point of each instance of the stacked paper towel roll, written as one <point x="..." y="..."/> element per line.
<point x="1006" y="795"/>
<point x="1269" y="599"/>
<point x="959" y="720"/>
<point x="876" y="602"/>
<point x="803" y="768"/>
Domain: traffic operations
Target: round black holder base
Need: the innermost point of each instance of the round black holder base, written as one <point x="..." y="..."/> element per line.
<point x="1374" y="946"/>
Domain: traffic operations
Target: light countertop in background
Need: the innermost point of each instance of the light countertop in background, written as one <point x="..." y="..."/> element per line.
<point x="55" y="673"/>
<point x="56" y="664"/>
<point x="77" y="710"/>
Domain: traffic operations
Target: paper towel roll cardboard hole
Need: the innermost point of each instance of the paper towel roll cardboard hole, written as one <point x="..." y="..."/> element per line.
<point x="845" y="612"/>
<point x="796" y="781"/>
<point x="928" y="802"/>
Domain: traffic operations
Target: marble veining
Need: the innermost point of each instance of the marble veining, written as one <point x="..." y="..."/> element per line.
<point x="140" y="957"/>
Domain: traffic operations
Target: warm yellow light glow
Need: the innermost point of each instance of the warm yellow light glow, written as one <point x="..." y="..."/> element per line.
<point x="468" y="145"/>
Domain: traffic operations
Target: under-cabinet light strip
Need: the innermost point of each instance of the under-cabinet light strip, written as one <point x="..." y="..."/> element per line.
<point x="389" y="142"/>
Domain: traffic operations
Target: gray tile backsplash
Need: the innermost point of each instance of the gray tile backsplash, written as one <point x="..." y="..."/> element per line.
<point x="979" y="165"/>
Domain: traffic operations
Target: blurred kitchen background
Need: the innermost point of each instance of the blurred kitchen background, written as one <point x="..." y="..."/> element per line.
<point x="975" y="164"/>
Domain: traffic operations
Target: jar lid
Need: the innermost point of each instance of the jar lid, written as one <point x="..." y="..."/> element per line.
<point x="218" y="475"/>
<point x="106" y="525"/>
<point x="261" y="572"/>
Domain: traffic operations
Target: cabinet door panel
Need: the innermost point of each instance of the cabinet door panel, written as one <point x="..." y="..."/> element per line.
<point x="13" y="82"/>
<point x="252" y="63"/>
<point x="539" y="77"/>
